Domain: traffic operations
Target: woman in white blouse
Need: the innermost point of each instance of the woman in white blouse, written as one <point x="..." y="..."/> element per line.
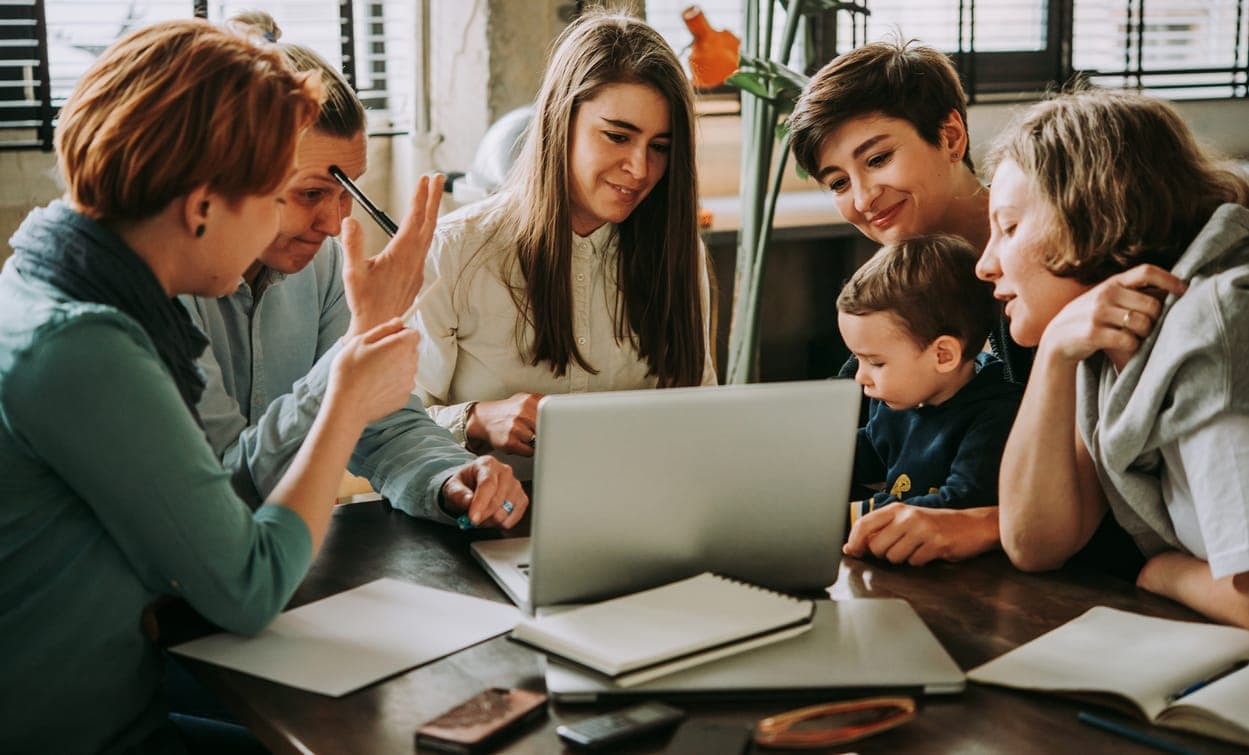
<point x="586" y="272"/>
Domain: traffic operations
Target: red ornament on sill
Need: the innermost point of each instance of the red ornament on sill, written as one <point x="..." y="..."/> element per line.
<point x="713" y="56"/>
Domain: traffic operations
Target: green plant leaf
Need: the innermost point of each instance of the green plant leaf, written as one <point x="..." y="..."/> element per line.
<point x="769" y="80"/>
<point x="749" y="83"/>
<point x="789" y="78"/>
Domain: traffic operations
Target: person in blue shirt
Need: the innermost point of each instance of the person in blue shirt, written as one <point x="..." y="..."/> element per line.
<point x="174" y="148"/>
<point x="273" y="338"/>
<point x="916" y="318"/>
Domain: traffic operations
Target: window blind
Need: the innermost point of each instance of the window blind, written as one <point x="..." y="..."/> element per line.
<point x="25" y="97"/>
<point x="1175" y="48"/>
<point x="46" y="46"/>
<point x="1180" y="48"/>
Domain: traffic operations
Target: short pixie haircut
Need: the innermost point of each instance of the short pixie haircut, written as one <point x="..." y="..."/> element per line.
<point x="177" y="105"/>
<point x="1124" y="175"/>
<point x="930" y="284"/>
<point x="909" y="81"/>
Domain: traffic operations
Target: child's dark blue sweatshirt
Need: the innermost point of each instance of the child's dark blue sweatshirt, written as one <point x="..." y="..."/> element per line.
<point x="944" y="456"/>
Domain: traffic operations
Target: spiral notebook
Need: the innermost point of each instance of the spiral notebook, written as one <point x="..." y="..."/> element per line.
<point x="648" y="634"/>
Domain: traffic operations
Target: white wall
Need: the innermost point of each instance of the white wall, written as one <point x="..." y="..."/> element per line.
<point x="486" y="57"/>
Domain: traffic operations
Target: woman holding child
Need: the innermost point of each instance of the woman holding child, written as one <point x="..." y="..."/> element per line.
<point x="884" y="127"/>
<point x="586" y="272"/>
<point x="1139" y="398"/>
<point x="112" y="495"/>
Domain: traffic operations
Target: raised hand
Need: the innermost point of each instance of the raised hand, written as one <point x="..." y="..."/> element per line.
<point x="509" y="425"/>
<point x="383" y="287"/>
<point x="1114" y="316"/>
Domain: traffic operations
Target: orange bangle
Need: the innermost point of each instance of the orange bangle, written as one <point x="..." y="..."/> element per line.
<point x="777" y="731"/>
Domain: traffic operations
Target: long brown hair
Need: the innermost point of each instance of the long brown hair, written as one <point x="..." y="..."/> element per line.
<point x="1125" y="176"/>
<point x="659" y="302"/>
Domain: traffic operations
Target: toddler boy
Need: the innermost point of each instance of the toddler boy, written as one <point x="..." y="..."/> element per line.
<point x="916" y="318"/>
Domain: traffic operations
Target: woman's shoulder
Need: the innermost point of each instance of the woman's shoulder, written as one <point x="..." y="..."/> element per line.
<point x="65" y="347"/>
<point x="36" y="315"/>
<point x="478" y="222"/>
<point x="1216" y="266"/>
<point x="473" y="239"/>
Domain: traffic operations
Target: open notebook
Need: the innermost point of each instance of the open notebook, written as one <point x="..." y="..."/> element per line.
<point x="639" y="637"/>
<point x="1178" y="674"/>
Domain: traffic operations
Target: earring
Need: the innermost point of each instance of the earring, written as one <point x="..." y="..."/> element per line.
<point x="199" y="231"/>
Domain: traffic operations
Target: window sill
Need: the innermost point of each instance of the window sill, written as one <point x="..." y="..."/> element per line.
<point x="800" y="215"/>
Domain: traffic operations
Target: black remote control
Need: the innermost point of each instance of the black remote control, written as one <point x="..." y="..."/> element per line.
<point x="622" y="725"/>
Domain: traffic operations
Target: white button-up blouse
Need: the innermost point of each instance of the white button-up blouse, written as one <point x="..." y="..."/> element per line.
<point x="473" y="342"/>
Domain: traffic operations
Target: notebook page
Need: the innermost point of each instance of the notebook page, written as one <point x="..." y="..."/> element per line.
<point x="1227" y="699"/>
<point x="341" y="643"/>
<point x="1145" y="659"/>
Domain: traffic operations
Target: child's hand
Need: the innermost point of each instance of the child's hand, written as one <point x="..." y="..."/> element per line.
<point x="903" y="534"/>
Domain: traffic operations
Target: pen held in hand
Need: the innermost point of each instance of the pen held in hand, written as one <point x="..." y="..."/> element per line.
<point x="375" y="212"/>
<point x="387" y="225"/>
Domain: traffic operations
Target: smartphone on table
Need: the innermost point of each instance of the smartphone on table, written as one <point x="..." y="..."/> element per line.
<point x="482" y="722"/>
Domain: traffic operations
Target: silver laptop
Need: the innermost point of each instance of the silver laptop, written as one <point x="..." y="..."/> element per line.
<point x="633" y="489"/>
<point x="865" y="646"/>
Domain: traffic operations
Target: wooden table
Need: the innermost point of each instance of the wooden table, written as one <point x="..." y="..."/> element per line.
<point x="978" y="610"/>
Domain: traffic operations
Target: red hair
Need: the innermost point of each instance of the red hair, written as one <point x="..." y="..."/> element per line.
<point x="177" y="105"/>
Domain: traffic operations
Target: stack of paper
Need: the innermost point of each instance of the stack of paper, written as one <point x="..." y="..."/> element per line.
<point x="346" y="641"/>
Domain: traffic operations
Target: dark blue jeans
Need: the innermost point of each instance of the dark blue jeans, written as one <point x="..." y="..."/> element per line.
<point x="203" y="723"/>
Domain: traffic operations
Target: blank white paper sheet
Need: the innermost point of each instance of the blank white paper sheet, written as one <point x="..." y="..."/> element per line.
<point x="344" y="642"/>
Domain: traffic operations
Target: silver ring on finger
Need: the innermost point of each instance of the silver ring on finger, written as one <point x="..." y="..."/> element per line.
<point x="508" y="506"/>
<point x="1127" y="318"/>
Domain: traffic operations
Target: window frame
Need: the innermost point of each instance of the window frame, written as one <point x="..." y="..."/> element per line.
<point x="1026" y="74"/>
<point x="19" y="113"/>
